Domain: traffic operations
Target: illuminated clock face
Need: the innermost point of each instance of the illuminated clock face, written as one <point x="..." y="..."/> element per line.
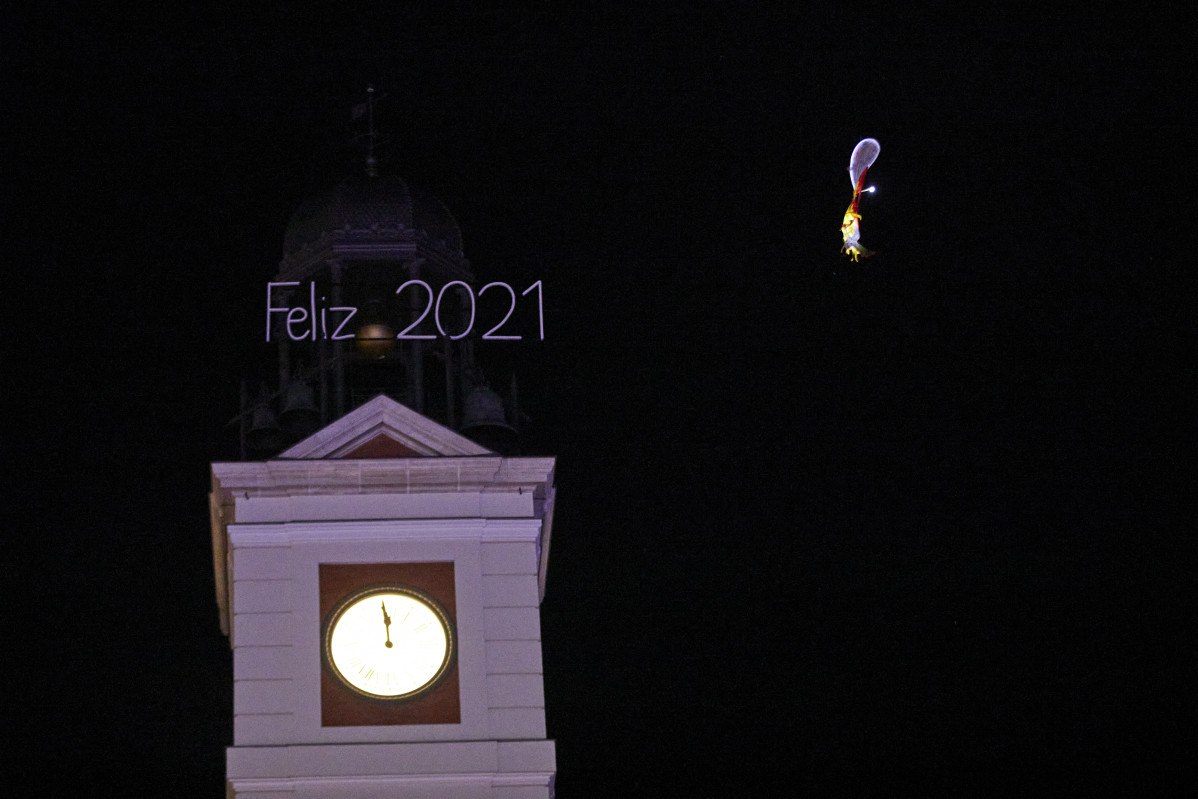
<point x="389" y="642"/>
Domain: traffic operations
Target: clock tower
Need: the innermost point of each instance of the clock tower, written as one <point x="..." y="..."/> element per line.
<point x="380" y="584"/>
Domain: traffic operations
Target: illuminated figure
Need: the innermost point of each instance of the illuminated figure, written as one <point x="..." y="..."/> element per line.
<point x="864" y="155"/>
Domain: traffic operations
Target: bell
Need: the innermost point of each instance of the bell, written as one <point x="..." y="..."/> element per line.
<point x="484" y="421"/>
<point x="300" y="415"/>
<point x="265" y="433"/>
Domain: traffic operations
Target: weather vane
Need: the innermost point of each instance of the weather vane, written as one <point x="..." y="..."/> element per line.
<point x="366" y="109"/>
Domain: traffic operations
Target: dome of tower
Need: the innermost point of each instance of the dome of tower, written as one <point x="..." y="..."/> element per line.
<point x="432" y="218"/>
<point x="366" y="207"/>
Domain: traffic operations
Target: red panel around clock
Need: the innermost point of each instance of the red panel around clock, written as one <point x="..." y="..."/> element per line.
<point x="342" y="707"/>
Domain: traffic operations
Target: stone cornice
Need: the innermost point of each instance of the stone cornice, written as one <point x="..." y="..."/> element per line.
<point x="478" y="474"/>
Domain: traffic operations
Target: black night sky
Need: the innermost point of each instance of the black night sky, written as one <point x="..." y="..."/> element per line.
<point x="903" y="523"/>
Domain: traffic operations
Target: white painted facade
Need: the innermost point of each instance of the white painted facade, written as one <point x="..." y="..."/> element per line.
<point x="275" y="522"/>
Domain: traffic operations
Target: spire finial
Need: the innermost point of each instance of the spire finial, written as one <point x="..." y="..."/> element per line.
<point x="366" y="109"/>
<point x="372" y="164"/>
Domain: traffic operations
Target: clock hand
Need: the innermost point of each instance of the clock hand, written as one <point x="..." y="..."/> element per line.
<point x="387" y="625"/>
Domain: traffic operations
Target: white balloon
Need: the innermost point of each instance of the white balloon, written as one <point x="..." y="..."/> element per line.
<point x="864" y="155"/>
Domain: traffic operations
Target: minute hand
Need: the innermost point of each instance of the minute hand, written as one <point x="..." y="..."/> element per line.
<point x="387" y="625"/>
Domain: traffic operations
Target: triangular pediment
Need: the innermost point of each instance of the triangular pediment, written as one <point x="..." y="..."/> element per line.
<point x="383" y="428"/>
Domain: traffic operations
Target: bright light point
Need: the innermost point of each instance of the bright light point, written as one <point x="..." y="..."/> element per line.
<point x="871" y="189"/>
